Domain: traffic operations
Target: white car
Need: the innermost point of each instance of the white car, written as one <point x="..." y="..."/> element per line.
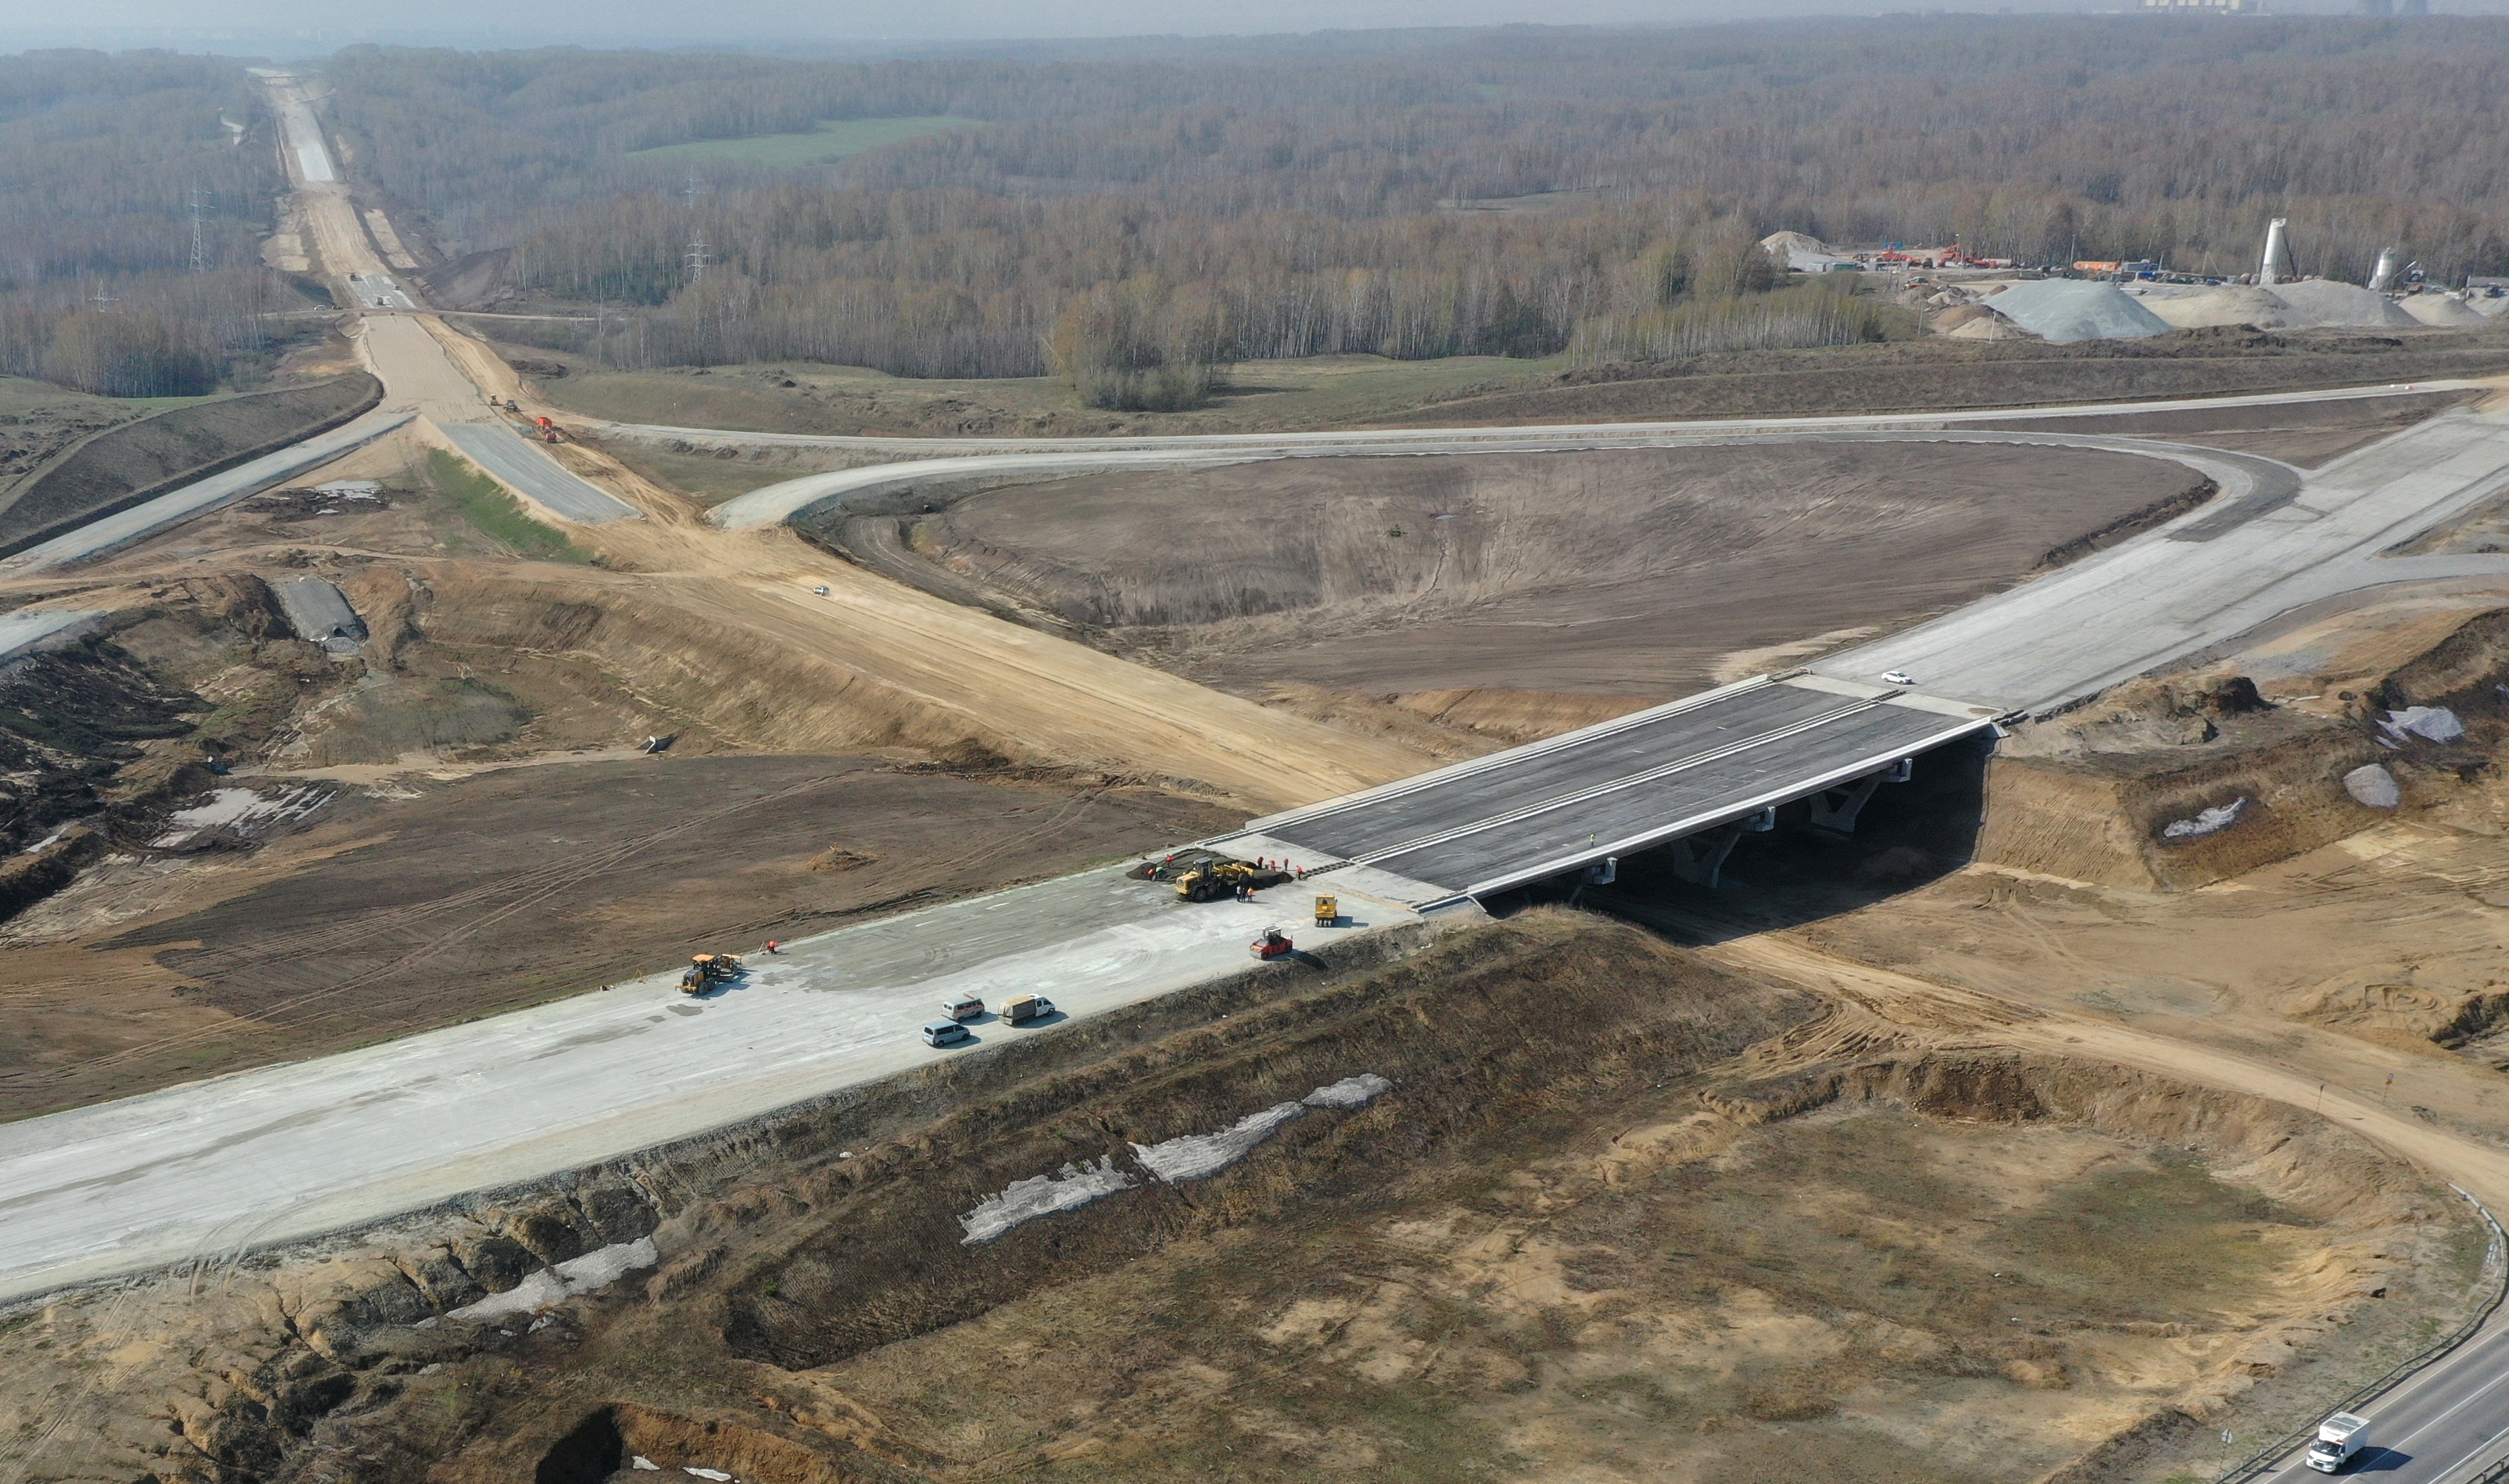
<point x="1898" y="677"/>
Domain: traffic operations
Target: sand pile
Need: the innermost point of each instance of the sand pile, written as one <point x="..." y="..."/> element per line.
<point x="2195" y="306"/>
<point x="1987" y="324"/>
<point x="2323" y="304"/>
<point x="2446" y="311"/>
<point x="2075" y="309"/>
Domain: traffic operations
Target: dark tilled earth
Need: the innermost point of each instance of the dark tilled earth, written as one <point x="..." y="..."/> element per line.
<point x="575" y="875"/>
<point x="388" y="916"/>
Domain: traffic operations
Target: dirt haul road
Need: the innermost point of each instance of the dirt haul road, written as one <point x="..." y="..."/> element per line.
<point x="2437" y="1426"/>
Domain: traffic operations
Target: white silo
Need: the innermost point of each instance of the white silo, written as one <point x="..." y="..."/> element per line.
<point x="2276" y="267"/>
<point x="2385" y="278"/>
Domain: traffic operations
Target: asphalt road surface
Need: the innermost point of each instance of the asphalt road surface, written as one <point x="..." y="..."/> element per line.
<point x="2442" y="1424"/>
<point x="1402" y="437"/>
<point x="524" y="466"/>
<point x="294" y="1150"/>
<point x="2241" y="476"/>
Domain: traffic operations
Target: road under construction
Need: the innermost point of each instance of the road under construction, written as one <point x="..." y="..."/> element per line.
<point x="291" y="1151"/>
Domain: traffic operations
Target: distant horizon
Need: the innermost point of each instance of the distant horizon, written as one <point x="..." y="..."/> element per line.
<point x="299" y="30"/>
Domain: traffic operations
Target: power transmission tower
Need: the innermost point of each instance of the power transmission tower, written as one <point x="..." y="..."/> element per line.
<point x="698" y="257"/>
<point x="199" y="238"/>
<point x="688" y="192"/>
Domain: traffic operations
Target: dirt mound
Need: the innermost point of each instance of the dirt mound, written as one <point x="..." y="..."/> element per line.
<point x="1615" y="572"/>
<point x="2181" y="782"/>
<point x="136" y="461"/>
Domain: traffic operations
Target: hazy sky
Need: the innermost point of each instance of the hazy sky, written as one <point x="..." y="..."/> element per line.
<point x="305" y="27"/>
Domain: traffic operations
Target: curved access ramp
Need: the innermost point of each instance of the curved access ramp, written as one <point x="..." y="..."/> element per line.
<point x="2244" y="479"/>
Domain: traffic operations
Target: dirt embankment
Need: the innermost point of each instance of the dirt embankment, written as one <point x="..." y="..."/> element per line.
<point x="1721" y="1221"/>
<point x="1614" y="574"/>
<point x="136" y="461"/>
<point x="99" y="741"/>
<point x="2178" y="783"/>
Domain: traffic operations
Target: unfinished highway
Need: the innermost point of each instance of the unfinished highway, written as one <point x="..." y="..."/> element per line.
<point x="291" y="1151"/>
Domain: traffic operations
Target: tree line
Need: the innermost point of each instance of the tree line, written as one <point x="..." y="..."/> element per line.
<point x="1516" y="192"/>
<point x="105" y="156"/>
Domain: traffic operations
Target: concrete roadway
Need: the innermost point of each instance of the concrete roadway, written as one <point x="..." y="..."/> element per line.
<point x="302" y="1148"/>
<point x="193" y="501"/>
<point x="2208" y="577"/>
<point x="1400" y="437"/>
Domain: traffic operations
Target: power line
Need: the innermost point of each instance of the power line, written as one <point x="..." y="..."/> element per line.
<point x="200" y="237"/>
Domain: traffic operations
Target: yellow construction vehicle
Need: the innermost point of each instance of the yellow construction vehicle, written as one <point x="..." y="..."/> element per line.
<point x="1327" y="910"/>
<point x="707" y="970"/>
<point x="1212" y="880"/>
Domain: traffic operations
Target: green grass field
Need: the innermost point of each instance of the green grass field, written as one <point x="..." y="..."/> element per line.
<point x="486" y="504"/>
<point x="834" y="139"/>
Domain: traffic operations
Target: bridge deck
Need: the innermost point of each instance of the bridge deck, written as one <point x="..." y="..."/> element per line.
<point x="1641" y="780"/>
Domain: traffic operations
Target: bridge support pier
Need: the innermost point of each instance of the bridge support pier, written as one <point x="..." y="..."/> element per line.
<point x="1835" y="809"/>
<point x="1700" y="859"/>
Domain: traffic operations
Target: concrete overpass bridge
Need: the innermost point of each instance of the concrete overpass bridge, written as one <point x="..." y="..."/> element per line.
<point x="1698" y="774"/>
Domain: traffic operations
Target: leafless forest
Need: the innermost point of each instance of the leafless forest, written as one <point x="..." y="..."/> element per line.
<point x="1132" y="214"/>
<point x="104" y="159"/>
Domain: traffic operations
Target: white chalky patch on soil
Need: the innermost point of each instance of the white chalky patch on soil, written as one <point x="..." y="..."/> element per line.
<point x="1193" y="1157"/>
<point x="1067" y="1189"/>
<point x="1350" y="1092"/>
<point x="1200" y="1156"/>
<point x="241" y="810"/>
<point x="2206" y="822"/>
<point x="591" y="1272"/>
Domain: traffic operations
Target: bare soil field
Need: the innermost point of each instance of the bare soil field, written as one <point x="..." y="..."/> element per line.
<point x="1641" y="574"/>
<point x="1742" y="1227"/>
<point x="422" y="900"/>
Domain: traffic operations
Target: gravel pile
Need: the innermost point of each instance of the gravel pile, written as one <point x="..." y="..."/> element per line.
<point x="2445" y="311"/>
<point x="2077" y="309"/>
<point x="2195" y="306"/>
<point x="2323" y="304"/>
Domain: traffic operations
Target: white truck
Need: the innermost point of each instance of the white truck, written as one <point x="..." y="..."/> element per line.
<point x="2340" y="1439"/>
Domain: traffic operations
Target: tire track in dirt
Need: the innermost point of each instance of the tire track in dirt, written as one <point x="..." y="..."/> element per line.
<point x="1933" y="1009"/>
